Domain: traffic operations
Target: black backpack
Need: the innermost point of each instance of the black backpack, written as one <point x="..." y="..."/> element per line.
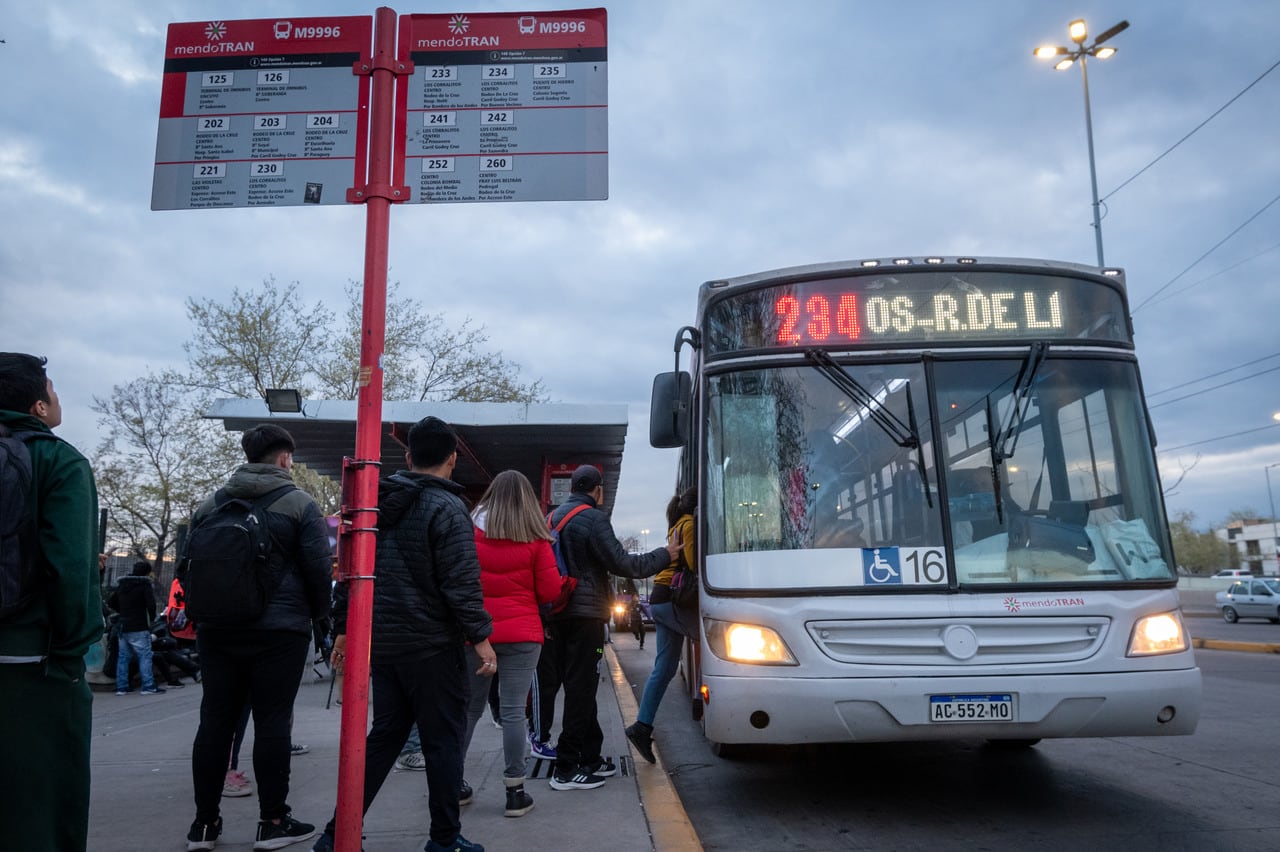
<point x="20" y="577"/>
<point x="226" y="570"/>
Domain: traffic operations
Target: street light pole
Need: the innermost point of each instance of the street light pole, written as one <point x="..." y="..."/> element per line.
<point x="1079" y="32"/>
<point x="1275" y="530"/>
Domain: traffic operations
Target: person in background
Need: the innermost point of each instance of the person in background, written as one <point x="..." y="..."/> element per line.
<point x="135" y="600"/>
<point x="427" y="605"/>
<point x="261" y="662"/>
<point x="670" y="626"/>
<point x="592" y="552"/>
<point x="46" y="708"/>
<point x="518" y="573"/>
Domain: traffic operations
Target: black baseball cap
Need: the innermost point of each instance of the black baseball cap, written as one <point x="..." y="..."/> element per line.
<point x="585" y="479"/>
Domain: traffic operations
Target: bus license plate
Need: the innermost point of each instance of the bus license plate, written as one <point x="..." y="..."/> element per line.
<point x="992" y="707"/>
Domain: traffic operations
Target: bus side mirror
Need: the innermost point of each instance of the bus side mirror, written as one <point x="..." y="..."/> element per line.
<point x="669" y="410"/>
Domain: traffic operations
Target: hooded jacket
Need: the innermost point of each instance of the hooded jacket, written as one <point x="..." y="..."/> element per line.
<point x="426" y="596"/>
<point x="135" y="600"/>
<point x="300" y="553"/>
<point x="592" y="552"/>
<point x="62" y="623"/>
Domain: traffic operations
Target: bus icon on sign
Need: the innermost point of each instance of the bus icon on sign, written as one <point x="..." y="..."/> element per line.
<point x="526" y="24"/>
<point x="283" y="29"/>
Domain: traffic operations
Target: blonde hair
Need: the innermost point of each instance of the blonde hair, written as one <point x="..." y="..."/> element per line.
<point x="511" y="509"/>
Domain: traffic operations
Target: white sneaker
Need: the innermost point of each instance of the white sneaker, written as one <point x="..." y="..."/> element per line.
<point x="298" y="748"/>
<point x="236" y="784"/>
<point x="412" y="762"/>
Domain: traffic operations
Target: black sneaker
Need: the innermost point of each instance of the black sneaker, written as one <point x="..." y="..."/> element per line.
<point x="459" y="844"/>
<point x="203" y="835"/>
<point x="578" y="778"/>
<point x="604" y="767"/>
<point x="465" y="794"/>
<point x="277" y="835"/>
<point x="641" y="736"/>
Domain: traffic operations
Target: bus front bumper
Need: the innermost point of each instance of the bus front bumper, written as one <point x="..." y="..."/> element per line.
<point x="781" y="710"/>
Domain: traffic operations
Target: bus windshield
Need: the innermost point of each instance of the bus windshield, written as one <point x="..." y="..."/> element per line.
<point x="1047" y="475"/>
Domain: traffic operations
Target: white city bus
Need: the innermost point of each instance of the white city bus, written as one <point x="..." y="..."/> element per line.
<point x="928" y="507"/>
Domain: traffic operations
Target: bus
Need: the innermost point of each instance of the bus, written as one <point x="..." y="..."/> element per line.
<point x="929" y="507"/>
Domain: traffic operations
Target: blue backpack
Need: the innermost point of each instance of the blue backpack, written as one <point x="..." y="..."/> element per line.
<point x="567" y="583"/>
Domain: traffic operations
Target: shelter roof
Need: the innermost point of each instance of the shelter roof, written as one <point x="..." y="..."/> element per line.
<point x="494" y="436"/>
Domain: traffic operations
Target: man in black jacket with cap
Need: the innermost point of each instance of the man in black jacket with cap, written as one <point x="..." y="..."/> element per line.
<point x="576" y="634"/>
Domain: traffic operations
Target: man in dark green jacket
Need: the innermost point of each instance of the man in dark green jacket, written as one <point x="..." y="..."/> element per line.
<point x="45" y="702"/>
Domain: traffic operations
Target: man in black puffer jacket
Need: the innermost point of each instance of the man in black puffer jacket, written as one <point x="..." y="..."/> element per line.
<point x="427" y="605"/>
<point x="261" y="663"/>
<point x="135" y="601"/>
<point x="575" y="635"/>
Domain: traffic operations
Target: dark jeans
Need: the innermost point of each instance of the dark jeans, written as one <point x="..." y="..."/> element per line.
<point x="546" y="683"/>
<point x="432" y="692"/>
<point x="263" y="668"/>
<point x="578" y="643"/>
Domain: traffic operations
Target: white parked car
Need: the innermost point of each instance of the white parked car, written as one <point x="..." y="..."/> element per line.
<point x="1257" y="597"/>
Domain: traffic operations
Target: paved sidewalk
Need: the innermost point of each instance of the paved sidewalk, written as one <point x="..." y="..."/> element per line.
<point x="141" y="797"/>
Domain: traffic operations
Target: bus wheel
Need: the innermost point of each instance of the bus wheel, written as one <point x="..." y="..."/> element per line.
<point x="1013" y="744"/>
<point x="1229" y="615"/>
<point x="726" y="751"/>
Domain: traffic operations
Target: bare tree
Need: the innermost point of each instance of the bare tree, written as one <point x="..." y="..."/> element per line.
<point x="262" y="339"/>
<point x="159" y="459"/>
<point x="423" y="358"/>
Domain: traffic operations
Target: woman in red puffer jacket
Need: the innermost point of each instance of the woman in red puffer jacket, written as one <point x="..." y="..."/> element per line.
<point x="517" y="573"/>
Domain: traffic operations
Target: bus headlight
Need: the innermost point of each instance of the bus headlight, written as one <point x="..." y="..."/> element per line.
<point x="747" y="643"/>
<point x="1158" y="634"/>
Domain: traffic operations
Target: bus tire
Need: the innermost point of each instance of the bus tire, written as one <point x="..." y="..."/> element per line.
<point x="726" y="751"/>
<point x="1027" y="742"/>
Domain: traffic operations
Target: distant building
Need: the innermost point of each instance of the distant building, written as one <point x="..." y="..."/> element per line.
<point x="1253" y="545"/>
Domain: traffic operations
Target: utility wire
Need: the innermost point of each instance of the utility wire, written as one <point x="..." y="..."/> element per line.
<point x="1216" y="274"/>
<point x="1216" y="246"/>
<point x="1215" y="387"/>
<point x="1193" y="131"/>
<point x="1214" y="375"/>
<point x="1219" y="438"/>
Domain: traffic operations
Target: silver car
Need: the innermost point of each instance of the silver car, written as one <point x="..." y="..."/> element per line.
<point x="1256" y="597"/>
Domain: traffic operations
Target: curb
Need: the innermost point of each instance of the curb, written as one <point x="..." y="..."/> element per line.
<point x="1228" y="645"/>
<point x="669" y="825"/>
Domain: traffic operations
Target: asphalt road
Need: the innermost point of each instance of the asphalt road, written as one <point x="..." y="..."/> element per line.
<point x="1212" y="790"/>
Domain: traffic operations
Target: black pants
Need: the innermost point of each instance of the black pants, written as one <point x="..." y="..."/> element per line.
<point x="542" y="693"/>
<point x="578" y="643"/>
<point x="432" y="692"/>
<point x="263" y="668"/>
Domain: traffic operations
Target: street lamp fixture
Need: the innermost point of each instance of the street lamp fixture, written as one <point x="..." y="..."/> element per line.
<point x="1079" y="33"/>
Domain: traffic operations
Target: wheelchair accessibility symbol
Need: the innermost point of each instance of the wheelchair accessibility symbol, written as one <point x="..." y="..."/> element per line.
<point x="880" y="566"/>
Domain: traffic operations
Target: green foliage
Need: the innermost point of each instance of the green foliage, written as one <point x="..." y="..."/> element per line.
<point x="1197" y="552"/>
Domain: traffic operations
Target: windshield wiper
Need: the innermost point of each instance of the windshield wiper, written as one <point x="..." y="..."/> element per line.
<point x="905" y="435"/>
<point x="1003" y="444"/>
<point x="1006" y="442"/>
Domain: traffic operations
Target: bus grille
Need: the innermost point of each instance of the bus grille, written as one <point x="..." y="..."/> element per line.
<point x="960" y="642"/>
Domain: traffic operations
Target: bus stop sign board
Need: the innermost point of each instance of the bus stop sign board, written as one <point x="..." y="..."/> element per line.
<point x="497" y="107"/>
<point x="264" y="113"/>
<point x="505" y="107"/>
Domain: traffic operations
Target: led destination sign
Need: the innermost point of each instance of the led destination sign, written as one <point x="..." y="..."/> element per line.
<point x="917" y="307"/>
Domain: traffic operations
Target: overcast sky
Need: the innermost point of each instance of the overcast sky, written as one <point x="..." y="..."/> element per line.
<point x="743" y="136"/>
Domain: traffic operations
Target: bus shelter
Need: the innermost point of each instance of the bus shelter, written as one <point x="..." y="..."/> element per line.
<point x="544" y="441"/>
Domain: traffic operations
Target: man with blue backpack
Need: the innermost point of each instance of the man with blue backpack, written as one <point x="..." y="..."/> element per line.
<point x="50" y="614"/>
<point x="575" y="635"/>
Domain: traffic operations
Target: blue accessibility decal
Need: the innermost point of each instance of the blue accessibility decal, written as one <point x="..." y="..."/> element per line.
<point x="880" y="566"/>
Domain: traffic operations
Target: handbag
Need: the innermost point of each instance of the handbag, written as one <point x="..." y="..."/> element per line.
<point x="684" y="588"/>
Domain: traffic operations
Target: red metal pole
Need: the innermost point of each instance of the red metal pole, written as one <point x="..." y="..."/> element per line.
<point x="360" y="535"/>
